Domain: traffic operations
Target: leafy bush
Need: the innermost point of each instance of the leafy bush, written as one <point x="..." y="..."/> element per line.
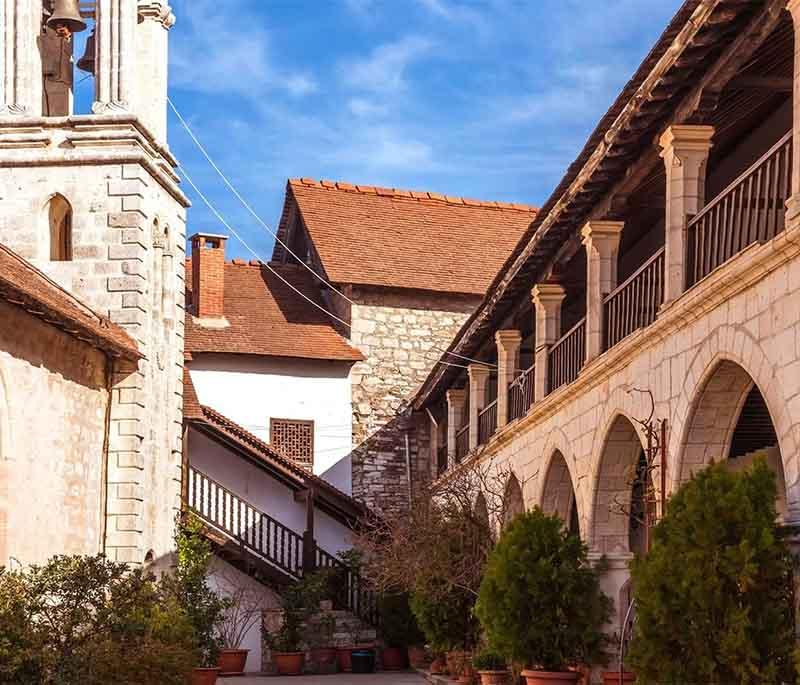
<point x="80" y="619"/>
<point x="398" y="625"/>
<point x="540" y="601"/>
<point x="489" y="660"/>
<point x="447" y="620"/>
<point x="714" y="595"/>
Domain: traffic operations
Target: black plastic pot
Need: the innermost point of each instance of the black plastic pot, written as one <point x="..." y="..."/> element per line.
<point x="363" y="661"/>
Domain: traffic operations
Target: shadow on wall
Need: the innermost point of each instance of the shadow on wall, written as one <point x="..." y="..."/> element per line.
<point x="340" y="474"/>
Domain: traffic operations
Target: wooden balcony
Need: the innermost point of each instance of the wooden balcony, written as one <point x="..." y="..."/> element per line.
<point x="749" y="210"/>
<point x="462" y="443"/>
<point x="487" y="423"/>
<point x="520" y="394"/>
<point x="566" y="357"/>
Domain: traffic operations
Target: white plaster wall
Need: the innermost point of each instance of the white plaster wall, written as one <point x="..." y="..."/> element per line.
<point x="263" y="491"/>
<point x="226" y="580"/>
<point x="250" y="390"/>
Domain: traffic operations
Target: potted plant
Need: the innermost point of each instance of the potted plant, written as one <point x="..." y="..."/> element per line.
<point x="491" y="667"/>
<point x="286" y="642"/>
<point x="323" y="653"/>
<point x="242" y="614"/>
<point x="620" y="677"/>
<point x="399" y="629"/>
<point x="714" y="597"/>
<point x="540" y="601"/>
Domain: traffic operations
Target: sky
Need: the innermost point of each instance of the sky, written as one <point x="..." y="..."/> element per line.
<point x="488" y="99"/>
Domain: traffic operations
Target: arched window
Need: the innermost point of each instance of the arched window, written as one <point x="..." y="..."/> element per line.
<point x="59" y="217"/>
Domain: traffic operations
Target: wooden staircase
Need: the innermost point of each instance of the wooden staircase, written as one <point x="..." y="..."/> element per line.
<point x="264" y="548"/>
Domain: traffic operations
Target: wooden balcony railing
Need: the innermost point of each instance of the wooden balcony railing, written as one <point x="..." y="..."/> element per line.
<point x="462" y="443"/>
<point x="487" y="423"/>
<point x="441" y="460"/>
<point x="351" y="591"/>
<point x="635" y="302"/>
<point x="749" y="210"/>
<point x="258" y="532"/>
<point x="566" y="357"/>
<point x="520" y="394"/>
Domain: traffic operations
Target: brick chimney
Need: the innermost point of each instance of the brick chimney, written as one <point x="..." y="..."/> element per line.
<point x="208" y="275"/>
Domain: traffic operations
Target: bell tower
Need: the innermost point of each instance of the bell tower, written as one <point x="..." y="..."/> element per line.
<point x="94" y="201"/>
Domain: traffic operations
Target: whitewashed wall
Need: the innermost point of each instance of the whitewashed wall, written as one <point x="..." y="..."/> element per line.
<point x="250" y="390"/>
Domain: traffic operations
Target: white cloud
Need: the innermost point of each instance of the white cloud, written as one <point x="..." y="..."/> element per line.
<point x="384" y="70"/>
<point x="301" y="84"/>
<point x="363" y="107"/>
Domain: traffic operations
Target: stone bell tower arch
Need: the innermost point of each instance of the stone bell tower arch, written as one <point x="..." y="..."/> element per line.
<point x="114" y="169"/>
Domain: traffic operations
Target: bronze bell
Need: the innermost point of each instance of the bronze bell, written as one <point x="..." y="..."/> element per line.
<point x="86" y="63"/>
<point x="66" y="13"/>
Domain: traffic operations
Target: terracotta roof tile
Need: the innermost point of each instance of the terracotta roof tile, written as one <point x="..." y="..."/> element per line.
<point x="267" y="317"/>
<point x="22" y="284"/>
<point x="387" y="237"/>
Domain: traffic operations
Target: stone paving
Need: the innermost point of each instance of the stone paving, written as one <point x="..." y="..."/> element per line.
<point x="406" y="678"/>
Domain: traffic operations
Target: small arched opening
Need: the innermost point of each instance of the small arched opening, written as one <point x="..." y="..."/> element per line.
<point x="558" y="494"/>
<point x="513" y="501"/>
<point x="59" y="222"/>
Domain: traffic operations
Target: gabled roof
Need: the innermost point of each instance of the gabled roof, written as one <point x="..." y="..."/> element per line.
<point x="23" y="285"/>
<point x="266" y="317"/>
<point x="262" y="454"/>
<point x="404" y="239"/>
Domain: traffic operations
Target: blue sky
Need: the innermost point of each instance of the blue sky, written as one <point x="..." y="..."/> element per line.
<point x="490" y="99"/>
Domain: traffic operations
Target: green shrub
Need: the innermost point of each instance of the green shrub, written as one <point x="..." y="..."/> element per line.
<point x="540" y="601"/>
<point x="714" y="594"/>
<point x="447" y="620"/>
<point x="399" y="628"/>
<point x="489" y="660"/>
<point x="79" y="620"/>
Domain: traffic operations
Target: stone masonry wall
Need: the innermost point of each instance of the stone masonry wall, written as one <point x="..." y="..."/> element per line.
<point x="402" y="336"/>
<point x="53" y="403"/>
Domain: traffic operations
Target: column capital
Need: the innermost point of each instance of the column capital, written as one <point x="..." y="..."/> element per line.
<point x="155" y="10"/>
<point x="478" y="372"/>
<point x="456" y="395"/>
<point x="602" y="228"/>
<point x="548" y="295"/>
<point x="687" y="138"/>
<point x="508" y="338"/>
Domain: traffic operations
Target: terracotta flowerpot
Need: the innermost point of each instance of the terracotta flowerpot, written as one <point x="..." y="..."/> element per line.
<point x="204" y="676"/>
<point x="417" y="657"/>
<point x="289" y="663"/>
<point x="232" y="661"/>
<point x="394" y="658"/>
<point x="468" y="675"/>
<point x="324" y="659"/>
<point x="551" y="677"/>
<point x="344" y="657"/>
<point x="438" y="666"/>
<point x="494" y="677"/>
<point x="456" y="659"/>
<point x="612" y="677"/>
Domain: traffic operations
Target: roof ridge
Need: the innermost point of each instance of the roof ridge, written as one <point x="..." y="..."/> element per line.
<point x="419" y="195"/>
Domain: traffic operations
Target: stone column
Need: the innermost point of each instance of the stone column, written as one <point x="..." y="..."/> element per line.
<point x="547" y="299"/>
<point x="155" y="21"/>
<point x="20" y="60"/>
<point x="115" y="73"/>
<point x="685" y="151"/>
<point x="508" y="343"/>
<point x="601" y="239"/>
<point x="456" y="398"/>
<point x="794" y="201"/>
<point x="478" y="378"/>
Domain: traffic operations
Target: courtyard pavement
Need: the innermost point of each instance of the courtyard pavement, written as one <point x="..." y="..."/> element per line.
<point x="339" y="679"/>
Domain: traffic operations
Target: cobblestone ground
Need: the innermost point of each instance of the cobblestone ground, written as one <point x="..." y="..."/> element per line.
<point x="340" y="679"/>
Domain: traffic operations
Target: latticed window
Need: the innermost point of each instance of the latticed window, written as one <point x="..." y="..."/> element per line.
<point x="293" y="439"/>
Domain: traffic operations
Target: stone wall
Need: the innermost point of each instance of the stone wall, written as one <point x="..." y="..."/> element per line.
<point x="700" y="358"/>
<point x="402" y="335"/>
<point x="128" y="259"/>
<point x="53" y="406"/>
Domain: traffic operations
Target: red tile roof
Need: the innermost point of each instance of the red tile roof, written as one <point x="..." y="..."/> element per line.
<point x="267" y="317"/>
<point x="394" y="238"/>
<point x="22" y="284"/>
<point x="212" y="421"/>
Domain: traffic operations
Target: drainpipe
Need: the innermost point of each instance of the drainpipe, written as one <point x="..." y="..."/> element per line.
<point x="408" y="468"/>
<point x="104" y="458"/>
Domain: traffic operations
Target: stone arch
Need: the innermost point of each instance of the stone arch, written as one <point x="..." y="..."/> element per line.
<point x="514" y="503"/>
<point x="57" y="217"/>
<point x="609" y="530"/>
<point x="558" y="492"/>
<point x="736" y="344"/>
<point x="480" y="510"/>
<point x="714" y="418"/>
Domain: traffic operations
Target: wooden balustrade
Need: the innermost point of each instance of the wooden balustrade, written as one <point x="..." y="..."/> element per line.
<point x="441" y="460"/>
<point x="462" y="443"/>
<point x="240" y="520"/>
<point x="635" y="302"/>
<point x="351" y="591"/>
<point x="749" y="210"/>
<point x="520" y="394"/>
<point x="487" y="423"/>
<point x="566" y="357"/>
